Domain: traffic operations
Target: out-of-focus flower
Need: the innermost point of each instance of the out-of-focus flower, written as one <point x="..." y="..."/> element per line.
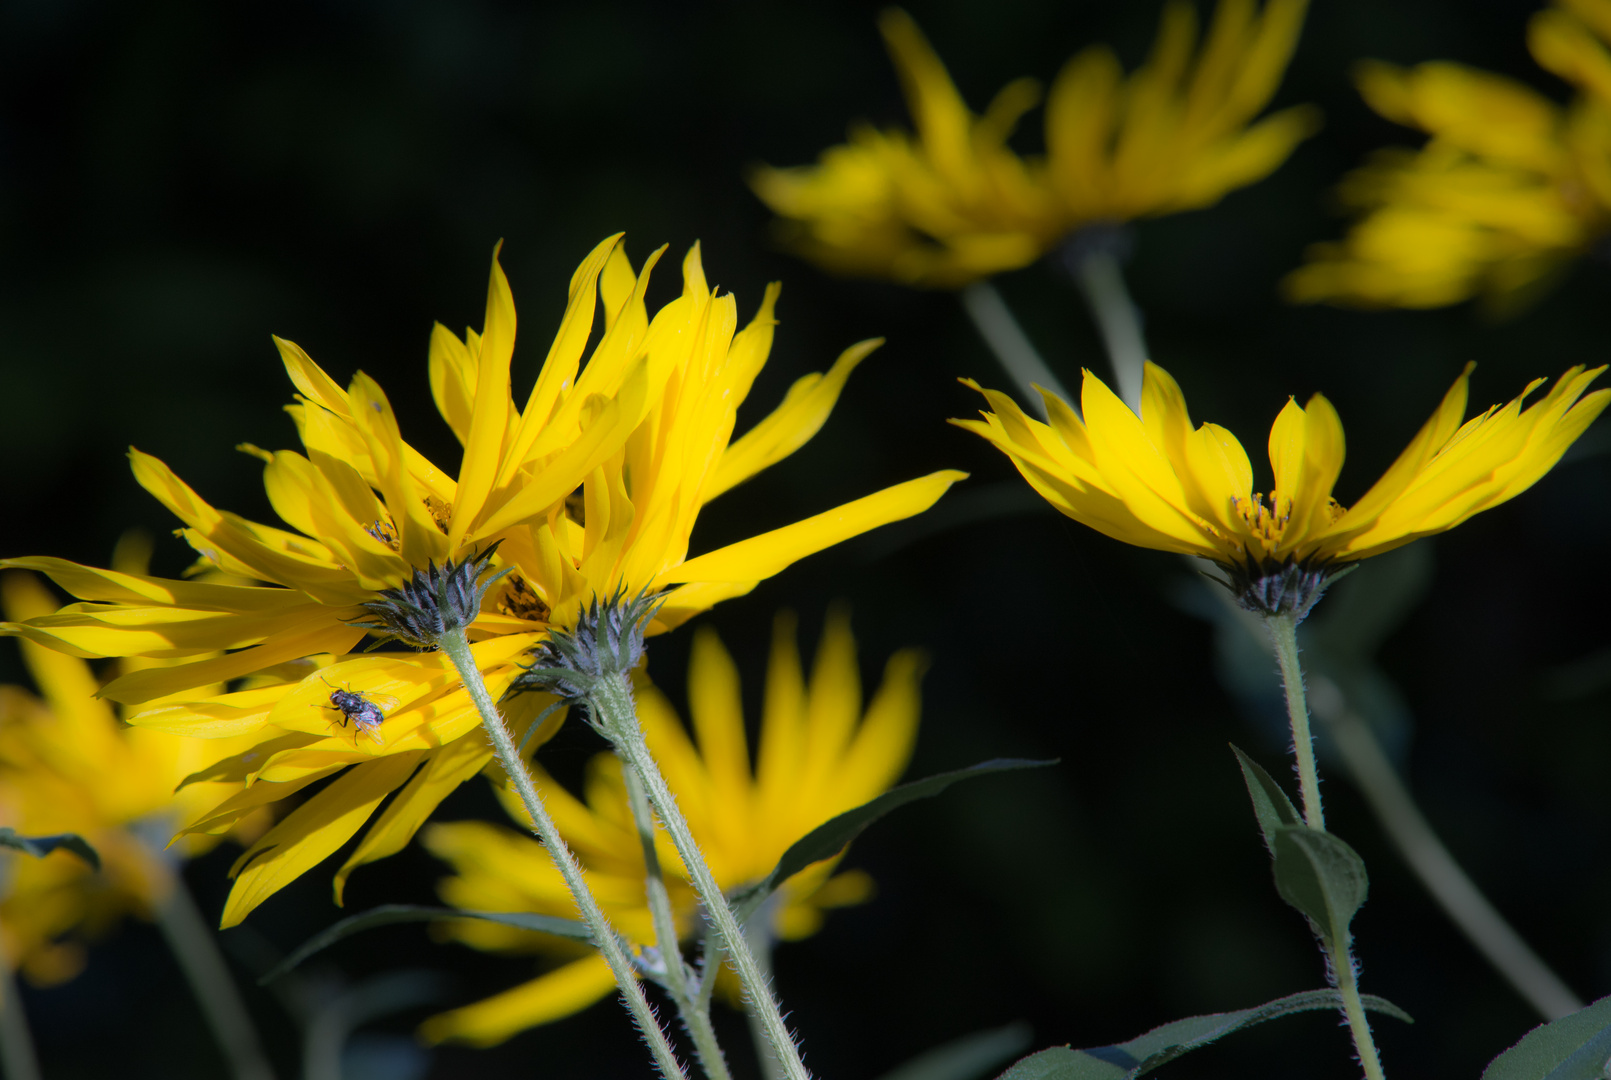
<point x="1509" y="189"/>
<point x="594" y="485"/>
<point x="1156" y="481"/>
<point x="819" y="755"/>
<point x="67" y="764"/>
<point x="954" y="203"/>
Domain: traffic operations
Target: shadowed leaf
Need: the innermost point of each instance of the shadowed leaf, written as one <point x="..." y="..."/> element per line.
<point x="1161" y="1045"/>
<point x="1320" y="876"/>
<point x="391" y="914"/>
<point x="1575" y="1047"/>
<point x="965" y="1058"/>
<point x="40" y="846"/>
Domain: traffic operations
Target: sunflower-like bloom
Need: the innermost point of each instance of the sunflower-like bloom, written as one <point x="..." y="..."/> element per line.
<point x="1156" y="481"/>
<point x="67" y="764"/>
<point x="593" y="486"/>
<point x="1509" y="189"/>
<point x="819" y="756"/>
<point x="954" y="202"/>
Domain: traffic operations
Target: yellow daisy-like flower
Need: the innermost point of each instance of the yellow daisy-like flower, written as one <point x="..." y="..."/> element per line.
<point x="67" y="764"/>
<point x="594" y="485"/>
<point x="1156" y="481"/>
<point x="819" y="755"/>
<point x="955" y="203"/>
<point x="1510" y="188"/>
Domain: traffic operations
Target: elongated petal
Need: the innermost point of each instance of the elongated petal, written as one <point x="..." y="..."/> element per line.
<point x="560" y="993"/>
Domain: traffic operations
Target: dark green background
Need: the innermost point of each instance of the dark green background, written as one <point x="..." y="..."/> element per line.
<point x="178" y="180"/>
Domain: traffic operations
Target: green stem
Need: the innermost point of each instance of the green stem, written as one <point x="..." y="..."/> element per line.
<point x="694" y="1010"/>
<point x="1342" y="963"/>
<point x="1390" y="800"/>
<point x="994" y="320"/>
<point x="191" y="940"/>
<point x="1101" y="282"/>
<point x="457" y="648"/>
<point x="614" y="713"/>
<point x="758" y="935"/>
<point x="1283" y="630"/>
<point x="17" y="1056"/>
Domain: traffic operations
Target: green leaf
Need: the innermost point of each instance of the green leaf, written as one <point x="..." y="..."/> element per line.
<point x="966" y="1058"/>
<point x="40" y="846"/>
<point x="1322" y="877"/>
<point x="831" y="837"/>
<point x="1575" y="1047"/>
<point x="1270" y="804"/>
<point x="391" y="914"/>
<point x="1161" y="1045"/>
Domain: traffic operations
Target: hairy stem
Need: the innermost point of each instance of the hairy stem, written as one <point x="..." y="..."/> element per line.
<point x="615" y="713"/>
<point x="457" y="648"/>
<point x="758" y="934"/>
<point x="1465" y="905"/>
<point x="694" y="1008"/>
<point x="1101" y="282"/>
<point x="994" y="320"/>
<point x="191" y="940"/>
<point x="1283" y="630"/>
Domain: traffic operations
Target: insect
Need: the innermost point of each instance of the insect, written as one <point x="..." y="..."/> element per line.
<point x="364" y="711"/>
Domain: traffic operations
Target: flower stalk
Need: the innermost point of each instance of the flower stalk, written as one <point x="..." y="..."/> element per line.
<point x="193" y="945"/>
<point x="457" y="647"/>
<point x="612" y="711"/>
<point x="1018" y="356"/>
<point x="1283" y="631"/>
<point x="1092" y="256"/>
<point x="692" y="1003"/>
<point x="17" y="1057"/>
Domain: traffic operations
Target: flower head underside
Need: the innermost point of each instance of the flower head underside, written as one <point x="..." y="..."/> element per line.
<point x="1156" y="481"/>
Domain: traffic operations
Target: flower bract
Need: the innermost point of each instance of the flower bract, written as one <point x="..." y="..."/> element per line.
<point x="593" y="485"/>
<point x="953" y="202"/>
<point x="1157" y="481"/>
<point x="820" y="754"/>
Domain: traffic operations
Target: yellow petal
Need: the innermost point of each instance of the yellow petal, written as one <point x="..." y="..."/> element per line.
<point x="312" y="831"/>
<point x="560" y="993"/>
<point x="762" y="556"/>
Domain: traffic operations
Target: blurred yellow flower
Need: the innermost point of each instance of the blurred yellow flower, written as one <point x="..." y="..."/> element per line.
<point x="954" y="203"/>
<point x="594" y="485"/>
<point x="1509" y="189"/>
<point x="67" y="764"/>
<point x="1155" y="481"/>
<point x="820" y="754"/>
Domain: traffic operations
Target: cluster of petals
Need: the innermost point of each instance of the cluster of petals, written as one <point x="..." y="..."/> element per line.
<point x="69" y="765"/>
<point x="1509" y="189"/>
<point x="819" y="755"/>
<point x="1156" y="481"/>
<point x="593" y="485"/>
<point x="954" y="202"/>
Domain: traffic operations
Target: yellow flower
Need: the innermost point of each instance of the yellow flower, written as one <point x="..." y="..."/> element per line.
<point x="954" y="203"/>
<point x="594" y="485"/>
<point x="1156" y="481"/>
<point x="819" y="756"/>
<point x="67" y="764"/>
<point x="1509" y="189"/>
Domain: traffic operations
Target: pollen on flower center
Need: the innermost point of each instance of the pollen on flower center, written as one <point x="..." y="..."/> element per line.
<point x="520" y="600"/>
<point x="383" y="530"/>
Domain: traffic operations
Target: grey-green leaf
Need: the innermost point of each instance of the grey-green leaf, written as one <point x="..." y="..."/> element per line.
<point x="1575" y="1047"/>
<point x="1270" y="804"/>
<point x="40" y="846"/>
<point x="391" y="914"/>
<point x="966" y="1058"/>
<point x="1320" y="876"/>
<point x="830" y="838"/>
<point x="1140" y="1056"/>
